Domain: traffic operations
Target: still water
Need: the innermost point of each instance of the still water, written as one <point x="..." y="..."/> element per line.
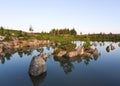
<point x="101" y="71"/>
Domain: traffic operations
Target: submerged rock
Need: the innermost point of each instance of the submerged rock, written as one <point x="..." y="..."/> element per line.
<point x="37" y="66"/>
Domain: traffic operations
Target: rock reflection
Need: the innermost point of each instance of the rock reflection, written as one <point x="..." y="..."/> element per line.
<point x="38" y="80"/>
<point x="7" y="54"/>
<point x="67" y="62"/>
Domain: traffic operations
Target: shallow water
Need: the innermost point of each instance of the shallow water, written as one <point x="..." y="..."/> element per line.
<point x="101" y="71"/>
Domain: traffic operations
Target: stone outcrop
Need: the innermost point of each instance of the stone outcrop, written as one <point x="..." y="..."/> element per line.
<point x="61" y="53"/>
<point x="80" y="50"/>
<point x="86" y="54"/>
<point x="72" y="54"/>
<point x="37" y="66"/>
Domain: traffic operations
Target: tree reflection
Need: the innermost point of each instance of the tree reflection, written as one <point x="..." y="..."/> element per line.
<point x="87" y="60"/>
<point x="8" y="55"/>
<point x="20" y="53"/>
<point x="2" y="59"/>
<point x="48" y="48"/>
<point x="40" y="50"/>
<point x="65" y="64"/>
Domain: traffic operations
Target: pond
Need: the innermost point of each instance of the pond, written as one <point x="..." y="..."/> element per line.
<point x="101" y="71"/>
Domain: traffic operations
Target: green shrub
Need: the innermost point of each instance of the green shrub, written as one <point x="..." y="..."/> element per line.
<point x="87" y="43"/>
<point x="68" y="46"/>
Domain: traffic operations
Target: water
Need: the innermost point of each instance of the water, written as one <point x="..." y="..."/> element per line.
<point x="101" y="71"/>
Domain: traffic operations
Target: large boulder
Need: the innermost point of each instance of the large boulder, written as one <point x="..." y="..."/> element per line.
<point x="37" y="66"/>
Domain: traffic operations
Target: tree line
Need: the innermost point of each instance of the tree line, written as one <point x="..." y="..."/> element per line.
<point x="56" y="34"/>
<point x="63" y="32"/>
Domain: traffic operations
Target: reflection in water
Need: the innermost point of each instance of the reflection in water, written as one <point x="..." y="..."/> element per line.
<point x="66" y="62"/>
<point x="2" y="59"/>
<point x="6" y="55"/>
<point x="25" y="51"/>
<point x="87" y="60"/>
<point x="38" y="80"/>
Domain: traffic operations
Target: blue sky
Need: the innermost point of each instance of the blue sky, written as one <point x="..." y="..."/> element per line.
<point x="86" y="16"/>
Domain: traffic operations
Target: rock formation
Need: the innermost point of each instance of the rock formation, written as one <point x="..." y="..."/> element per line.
<point x="37" y="66"/>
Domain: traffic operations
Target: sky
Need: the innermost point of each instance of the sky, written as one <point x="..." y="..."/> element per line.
<point x="86" y="16"/>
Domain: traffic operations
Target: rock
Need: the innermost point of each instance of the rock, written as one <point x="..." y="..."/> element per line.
<point x="80" y="50"/>
<point x="119" y="44"/>
<point x="44" y="56"/>
<point x="112" y="47"/>
<point x="91" y="50"/>
<point x="108" y="48"/>
<point x="86" y="54"/>
<point x="72" y="54"/>
<point x="96" y="54"/>
<point x="1" y="49"/>
<point x="94" y="43"/>
<point x="61" y="53"/>
<point x="37" y="66"/>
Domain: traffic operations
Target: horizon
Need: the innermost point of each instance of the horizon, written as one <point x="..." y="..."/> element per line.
<point x="88" y="16"/>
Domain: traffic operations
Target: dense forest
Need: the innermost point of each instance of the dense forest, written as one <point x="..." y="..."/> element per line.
<point x="56" y="35"/>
